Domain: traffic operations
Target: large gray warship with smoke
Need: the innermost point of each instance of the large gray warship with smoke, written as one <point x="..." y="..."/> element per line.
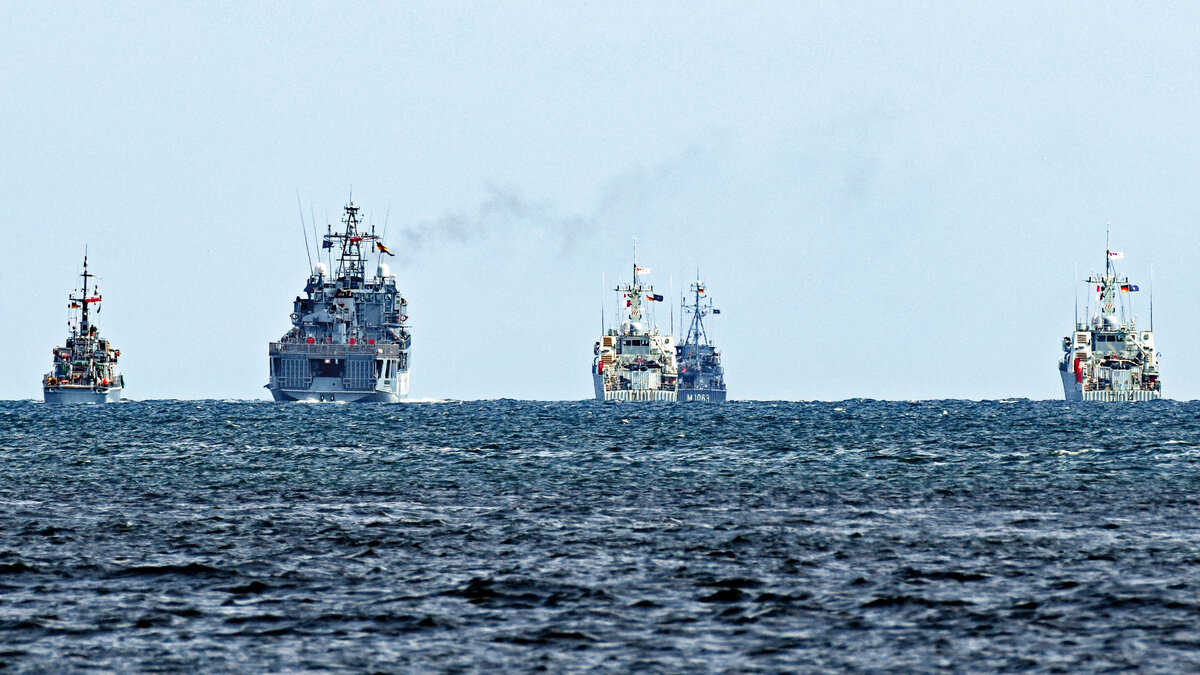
<point x="350" y="338"/>
<point x="85" y="370"/>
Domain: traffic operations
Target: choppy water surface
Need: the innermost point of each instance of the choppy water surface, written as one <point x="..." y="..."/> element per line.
<point x="924" y="536"/>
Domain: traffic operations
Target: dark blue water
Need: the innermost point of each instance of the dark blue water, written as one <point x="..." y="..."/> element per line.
<point x="931" y="536"/>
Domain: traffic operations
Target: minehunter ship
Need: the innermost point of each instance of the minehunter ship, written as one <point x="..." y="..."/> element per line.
<point x="701" y="375"/>
<point x="1112" y="360"/>
<point x="85" y="370"/>
<point x="349" y="339"/>
<point x="634" y="362"/>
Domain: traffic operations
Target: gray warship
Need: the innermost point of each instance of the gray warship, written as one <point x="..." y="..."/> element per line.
<point x="634" y="362"/>
<point x="701" y="375"/>
<point x="1111" y="359"/>
<point x="85" y="370"/>
<point x="350" y="338"/>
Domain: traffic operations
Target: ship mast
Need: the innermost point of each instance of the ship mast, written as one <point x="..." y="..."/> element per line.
<point x="1109" y="284"/>
<point x="84" y="300"/>
<point x="696" y="332"/>
<point x="633" y="294"/>
<point x="351" y="261"/>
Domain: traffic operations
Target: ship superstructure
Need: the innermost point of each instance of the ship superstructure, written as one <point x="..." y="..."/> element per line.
<point x="85" y="369"/>
<point x="350" y="334"/>
<point x="1111" y="359"/>
<point x="633" y="362"/>
<point x="701" y="375"/>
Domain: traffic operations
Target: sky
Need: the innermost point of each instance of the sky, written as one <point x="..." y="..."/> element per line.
<point x="886" y="200"/>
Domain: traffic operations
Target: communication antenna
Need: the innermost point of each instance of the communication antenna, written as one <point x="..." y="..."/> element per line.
<point x="1152" y="298"/>
<point x="671" y="289"/>
<point x="329" y="251"/>
<point x="602" y="289"/>
<point x="304" y="232"/>
<point x="1075" y="285"/>
<point x="312" y="219"/>
<point x="378" y="253"/>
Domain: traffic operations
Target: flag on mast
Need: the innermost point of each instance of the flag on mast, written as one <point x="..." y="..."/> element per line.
<point x="1115" y="255"/>
<point x="641" y="270"/>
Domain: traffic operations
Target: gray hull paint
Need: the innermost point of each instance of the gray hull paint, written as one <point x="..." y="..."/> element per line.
<point x="332" y="389"/>
<point x="1071" y="389"/>
<point x="60" y="395"/>
<point x="338" y="396"/>
<point x="705" y="395"/>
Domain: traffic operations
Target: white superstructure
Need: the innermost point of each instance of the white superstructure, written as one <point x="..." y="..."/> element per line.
<point x="1110" y="358"/>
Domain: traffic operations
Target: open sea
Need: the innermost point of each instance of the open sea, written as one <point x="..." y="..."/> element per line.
<point x="184" y="536"/>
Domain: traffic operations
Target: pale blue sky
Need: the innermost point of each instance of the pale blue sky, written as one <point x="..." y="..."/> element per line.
<point x="886" y="199"/>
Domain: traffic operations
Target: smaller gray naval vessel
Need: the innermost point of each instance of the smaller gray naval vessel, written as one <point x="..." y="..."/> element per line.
<point x="634" y="362"/>
<point x="1111" y="359"/>
<point x="701" y="375"/>
<point x="350" y="335"/>
<point x="85" y="370"/>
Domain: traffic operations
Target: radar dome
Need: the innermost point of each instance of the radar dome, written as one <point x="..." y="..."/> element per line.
<point x="320" y="269"/>
<point x="1111" y="323"/>
<point x="384" y="271"/>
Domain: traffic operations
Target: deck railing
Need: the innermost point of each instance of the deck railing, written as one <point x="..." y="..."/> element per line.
<point x="330" y="349"/>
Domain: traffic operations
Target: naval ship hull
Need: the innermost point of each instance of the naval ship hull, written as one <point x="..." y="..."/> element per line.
<point x="338" y="396"/>
<point x="332" y="389"/>
<point x="81" y="395"/>
<point x="706" y="395"/>
<point x="1073" y="391"/>
<point x="338" y="373"/>
<point x="631" y="395"/>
